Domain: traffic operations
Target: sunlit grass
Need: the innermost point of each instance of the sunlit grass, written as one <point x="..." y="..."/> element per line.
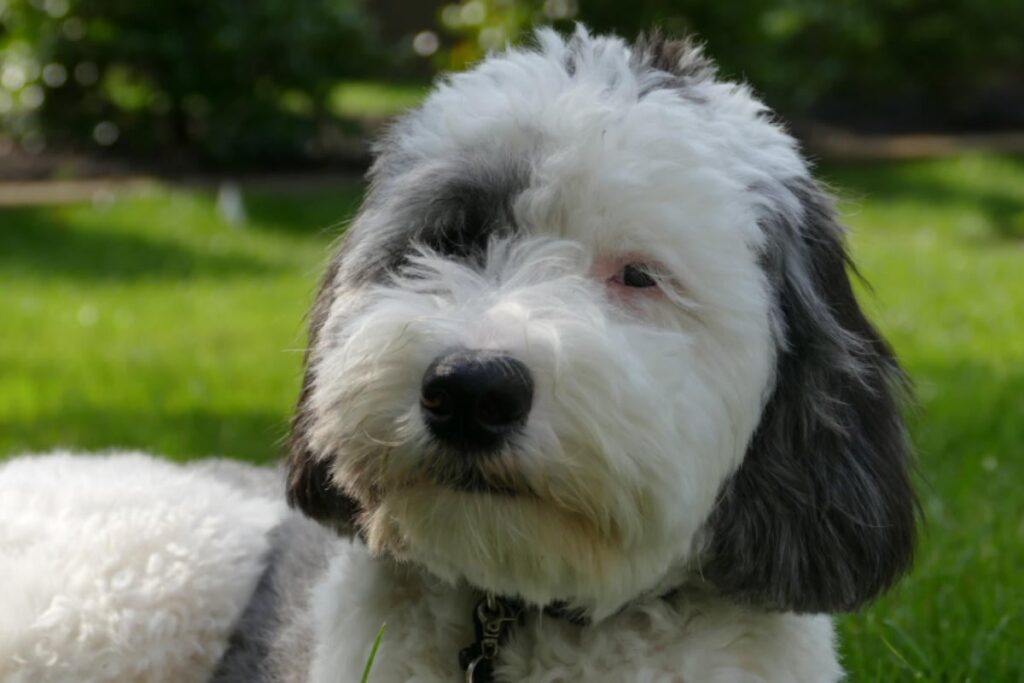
<point x="150" y="323"/>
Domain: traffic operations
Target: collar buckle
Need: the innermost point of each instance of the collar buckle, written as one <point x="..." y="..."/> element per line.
<point x="493" y="618"/>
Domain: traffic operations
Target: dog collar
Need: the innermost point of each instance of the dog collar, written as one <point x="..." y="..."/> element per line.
<point x="493" y="619"/>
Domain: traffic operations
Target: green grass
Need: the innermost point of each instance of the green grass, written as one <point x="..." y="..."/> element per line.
<point x="374" y="99"/>
<point x="151" y="324"/>
<point x="373" y="654"/>
<point x="941" y="243"/>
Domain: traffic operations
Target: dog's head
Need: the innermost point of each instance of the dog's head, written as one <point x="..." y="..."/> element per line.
<point x="592" y="332"/>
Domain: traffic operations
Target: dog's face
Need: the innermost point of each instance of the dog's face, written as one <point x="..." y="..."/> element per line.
<point x="591" y="334"/>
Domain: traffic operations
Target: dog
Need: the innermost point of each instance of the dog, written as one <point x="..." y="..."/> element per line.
<point x="588" y="396"/>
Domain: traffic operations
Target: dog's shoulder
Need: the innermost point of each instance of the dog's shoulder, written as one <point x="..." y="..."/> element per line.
<point x="274" y="637"/>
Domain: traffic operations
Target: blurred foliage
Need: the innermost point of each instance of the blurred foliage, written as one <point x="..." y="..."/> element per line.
<point x="244" y="81"/>
<point x="479" y="26"/>
<point x="238" y="80"/>
<point x="374" y="99"/>
<point x="798" y="53"/>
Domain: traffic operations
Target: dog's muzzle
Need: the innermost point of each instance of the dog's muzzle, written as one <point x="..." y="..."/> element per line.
<point x="474" y="400"/>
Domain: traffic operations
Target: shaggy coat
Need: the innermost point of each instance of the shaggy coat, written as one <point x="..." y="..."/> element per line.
<point x="590" y="352"/>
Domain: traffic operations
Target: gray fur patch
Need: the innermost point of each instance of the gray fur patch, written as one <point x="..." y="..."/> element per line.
<point x="681" y="60"/>
<point x="273" y="640"/>
<point x="453" y="210"/>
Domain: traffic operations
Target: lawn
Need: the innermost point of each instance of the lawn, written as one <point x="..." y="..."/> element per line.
<point x="148" y="322"/>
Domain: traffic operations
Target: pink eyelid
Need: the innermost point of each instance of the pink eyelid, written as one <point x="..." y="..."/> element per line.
<point x="608" y="270"/>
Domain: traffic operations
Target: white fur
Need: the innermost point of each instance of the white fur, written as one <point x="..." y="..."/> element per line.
<point x="642" y="407"/>
<point x="129" y="568"/>
<point x="122" y="568"/>
<point x="622" y="491"/>
<point x="690" y="638"/>
<point x="640" y="411"/>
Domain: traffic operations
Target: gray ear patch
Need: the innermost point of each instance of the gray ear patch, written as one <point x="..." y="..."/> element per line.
<point x="309" y="485"/>
<point x="820" y="516"/>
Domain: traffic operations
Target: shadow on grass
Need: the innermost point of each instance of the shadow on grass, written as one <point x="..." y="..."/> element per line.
<point x="190" y="435"/>
<point x="967" y="411"/>
<point x="34" y="241"/>
<point x="922" y="183"/>
<point x="968" y="432"/>
<point x="324" y="213"/>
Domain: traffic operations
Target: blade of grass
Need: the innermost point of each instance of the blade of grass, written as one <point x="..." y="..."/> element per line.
<point x="373" y="653"/>
<point x="898" y="654"/>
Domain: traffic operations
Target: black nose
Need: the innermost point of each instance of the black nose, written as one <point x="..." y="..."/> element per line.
<point x="475" y="399"/>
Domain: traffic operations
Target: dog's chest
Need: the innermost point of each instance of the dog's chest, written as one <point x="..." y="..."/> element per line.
<point x="427" y="623"/>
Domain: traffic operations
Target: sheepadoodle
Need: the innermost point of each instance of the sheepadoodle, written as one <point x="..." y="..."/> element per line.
<point x="588" y="396"/>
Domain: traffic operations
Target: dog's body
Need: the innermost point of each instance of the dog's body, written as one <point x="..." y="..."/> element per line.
<point x="127" y="568"/>
<point x="588" y="358"/>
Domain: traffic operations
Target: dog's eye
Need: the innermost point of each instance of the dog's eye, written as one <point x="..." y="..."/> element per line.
<point x="637" y="275"/>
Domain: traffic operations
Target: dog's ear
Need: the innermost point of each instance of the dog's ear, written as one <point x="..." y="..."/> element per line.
<point x="310" y="486"/>
<point x="820" y="516"/>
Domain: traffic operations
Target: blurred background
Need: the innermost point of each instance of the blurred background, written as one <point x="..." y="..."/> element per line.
<point x="173" y="173"/>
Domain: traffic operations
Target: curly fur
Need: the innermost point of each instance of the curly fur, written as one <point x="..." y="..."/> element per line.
<point x="125" y="568"/>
